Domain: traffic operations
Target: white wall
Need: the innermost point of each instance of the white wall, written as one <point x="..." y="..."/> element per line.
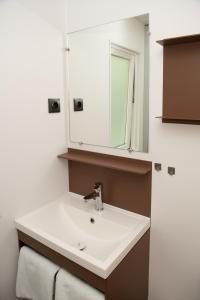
<point x="89" y="77"/>
<point x="31" y="60"/>
<point x="175" y="243"/>
<point x="53" y="12"/>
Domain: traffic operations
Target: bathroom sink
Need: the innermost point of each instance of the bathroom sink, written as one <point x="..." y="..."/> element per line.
<point x="96" y="240"/>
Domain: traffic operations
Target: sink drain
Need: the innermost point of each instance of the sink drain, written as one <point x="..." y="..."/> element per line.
<point x="81" y="246"/>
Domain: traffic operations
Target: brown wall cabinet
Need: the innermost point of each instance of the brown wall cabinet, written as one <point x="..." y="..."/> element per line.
<point x="181" y="80"/>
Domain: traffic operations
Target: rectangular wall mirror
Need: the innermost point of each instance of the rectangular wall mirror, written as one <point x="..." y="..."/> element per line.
<point x="108" y="70"/>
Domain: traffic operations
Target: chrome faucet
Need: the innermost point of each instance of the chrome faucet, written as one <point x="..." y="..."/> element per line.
<point x="96" y="195"/>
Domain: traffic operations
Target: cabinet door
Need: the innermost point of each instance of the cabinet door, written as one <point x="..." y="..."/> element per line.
<point x="181" y="82"/>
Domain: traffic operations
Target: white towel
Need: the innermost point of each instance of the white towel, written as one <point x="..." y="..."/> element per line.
<point x="69" y="287"/>
<point x="36" y="276"/>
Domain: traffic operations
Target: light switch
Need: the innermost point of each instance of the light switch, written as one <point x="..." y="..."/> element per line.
<point x="171" y="171"/>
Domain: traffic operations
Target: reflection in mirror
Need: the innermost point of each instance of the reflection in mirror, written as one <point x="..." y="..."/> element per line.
<point x="109" y="70"/>
<point x="122" y="91"/>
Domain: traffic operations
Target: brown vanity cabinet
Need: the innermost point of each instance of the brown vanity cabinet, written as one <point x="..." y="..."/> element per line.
<point x="129" y="280"/>
<point x="181" y="79"/>
<point x="127" y="184"/>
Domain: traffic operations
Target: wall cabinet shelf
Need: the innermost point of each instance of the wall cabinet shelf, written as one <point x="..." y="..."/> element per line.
<point x="181" y="80"/>
<point x="135" y="166"/>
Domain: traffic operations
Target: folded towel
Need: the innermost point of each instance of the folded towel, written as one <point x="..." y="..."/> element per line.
<point x="69" y="287"/>
<point x="36" y="276"/>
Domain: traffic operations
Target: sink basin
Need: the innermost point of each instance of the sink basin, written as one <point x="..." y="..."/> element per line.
<point x="98" y="241"/>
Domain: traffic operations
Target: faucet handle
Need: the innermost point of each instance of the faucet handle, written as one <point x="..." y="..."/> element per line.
<point x="97" y="185"/>
<point x="90" y="196"/>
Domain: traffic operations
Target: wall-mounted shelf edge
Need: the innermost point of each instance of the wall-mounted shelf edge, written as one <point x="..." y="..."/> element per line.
<point x="180" y="40"/>
<point x="139" y="167"/>
<point x="178" y="121"/>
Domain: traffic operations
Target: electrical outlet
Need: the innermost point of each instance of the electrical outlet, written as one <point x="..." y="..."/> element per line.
<point x="54" y="105"/>
<point x="78" y="104"/>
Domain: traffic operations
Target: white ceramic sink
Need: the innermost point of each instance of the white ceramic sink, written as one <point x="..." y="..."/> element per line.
<point x="98" y="241"/>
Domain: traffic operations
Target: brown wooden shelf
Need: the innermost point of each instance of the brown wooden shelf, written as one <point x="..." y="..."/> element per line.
<point x="135" y="166"/>
<point x="180" y="40"/>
